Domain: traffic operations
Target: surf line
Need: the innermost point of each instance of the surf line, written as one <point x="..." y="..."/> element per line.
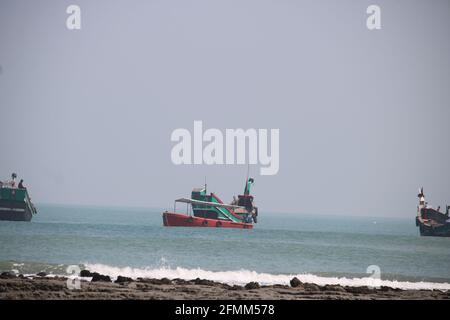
<point x="189" y="148"/>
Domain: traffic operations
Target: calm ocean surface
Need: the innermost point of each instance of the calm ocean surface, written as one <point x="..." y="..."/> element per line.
<point x="320" y="249"/>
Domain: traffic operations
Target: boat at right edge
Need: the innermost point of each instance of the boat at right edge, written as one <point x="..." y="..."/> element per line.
<point x="432" y="222"/>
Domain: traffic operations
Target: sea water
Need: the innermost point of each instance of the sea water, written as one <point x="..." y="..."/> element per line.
<point x="315" y="248"/>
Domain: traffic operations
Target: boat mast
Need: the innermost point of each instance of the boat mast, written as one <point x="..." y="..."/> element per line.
<point x="246" y="179"/>
<point x="422" y="203"/>
<point x="421" y="196"/>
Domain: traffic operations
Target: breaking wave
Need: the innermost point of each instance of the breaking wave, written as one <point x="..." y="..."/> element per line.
<point x="241" y="277"/>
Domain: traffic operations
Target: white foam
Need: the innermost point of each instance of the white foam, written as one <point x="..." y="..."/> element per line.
<point x="244" y="276"/>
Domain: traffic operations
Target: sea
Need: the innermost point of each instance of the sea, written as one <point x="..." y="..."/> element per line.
<point x="132" y="242"/>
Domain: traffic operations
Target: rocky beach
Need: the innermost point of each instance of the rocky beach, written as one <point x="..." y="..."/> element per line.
<point x="102" y="287"/>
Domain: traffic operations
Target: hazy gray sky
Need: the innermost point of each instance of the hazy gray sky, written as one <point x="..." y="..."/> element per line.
<point x="364" y="116"/>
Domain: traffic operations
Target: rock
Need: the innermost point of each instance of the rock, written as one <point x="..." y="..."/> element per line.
<point x="204" y="282"/>
<point x="100" y="277"/>
<point x="387" y="289"/>
<point x="252" y="285"/>
<point x="336" y="288"/>
<point x="295" y="282"/>
<point x="41" y="274"/>
<point x="121" y="279"/>
<point x="279" y="286"/>
<point x="359" y="290"/>
<point x="7" y="275"/>
<point x="166" y="281"/>
<point x="311" y="287"/>
<point x="155" y="281"/>
<point x="179" y="281"/>
<point x="85" y="273"/>
<point x="236" y="287"/>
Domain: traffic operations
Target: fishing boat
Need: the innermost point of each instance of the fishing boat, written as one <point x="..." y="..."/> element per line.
<point x="15" y="202"/>
<point x="432" y="222"/>
<point x="208" y="210"/>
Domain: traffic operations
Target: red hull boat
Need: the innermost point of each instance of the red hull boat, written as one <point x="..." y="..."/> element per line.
<point x="171" y="219"/>
<point x="208" y="211"/>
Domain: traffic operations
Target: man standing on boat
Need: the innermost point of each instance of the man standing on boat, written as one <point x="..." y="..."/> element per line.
<point x="21" y="186"/>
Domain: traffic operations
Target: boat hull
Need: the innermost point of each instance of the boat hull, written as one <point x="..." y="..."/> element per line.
<point x="430" y="230"/>
<point x="11" y="215"/>
<point x="171" y="219"/>
<point x="14" y="211"/>
<point x="15" y="214"/>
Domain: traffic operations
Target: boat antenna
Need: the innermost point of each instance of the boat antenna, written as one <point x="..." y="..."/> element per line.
<point x="246" y="180"/>
<point x="205" y="186"/>
<point x="248" y="171"/>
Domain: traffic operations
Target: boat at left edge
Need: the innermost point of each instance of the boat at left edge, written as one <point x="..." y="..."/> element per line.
<point x="15" y="202"/>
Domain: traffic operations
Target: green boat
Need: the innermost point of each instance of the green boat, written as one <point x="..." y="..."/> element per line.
<point x="209" y="211"/>
<point x="15" y="204"/>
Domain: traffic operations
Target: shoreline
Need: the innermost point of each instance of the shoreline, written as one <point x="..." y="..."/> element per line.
<point x="101" y="287"/>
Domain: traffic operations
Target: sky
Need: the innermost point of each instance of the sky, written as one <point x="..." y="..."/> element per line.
<point x="86" y="115"/>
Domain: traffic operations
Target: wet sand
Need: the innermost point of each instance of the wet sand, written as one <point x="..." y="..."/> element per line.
<point x="42" y="287"/>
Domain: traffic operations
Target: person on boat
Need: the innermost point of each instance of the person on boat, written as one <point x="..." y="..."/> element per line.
<point x="255" y="215"/>
<point x="21" y="184"/>
<point x="12" y="182"/>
